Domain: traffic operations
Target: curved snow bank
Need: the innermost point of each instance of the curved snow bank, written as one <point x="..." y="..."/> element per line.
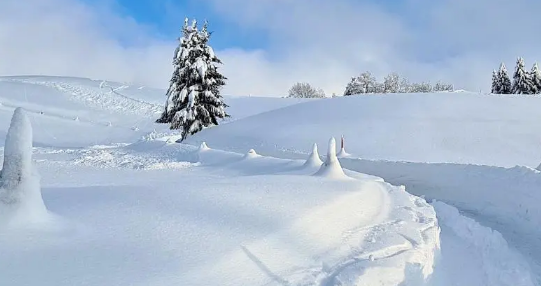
<point x="378" y="234"/>
<point x="505" y="199"/>
<point x="441" y="127"/>
<point x="484" y="255"/>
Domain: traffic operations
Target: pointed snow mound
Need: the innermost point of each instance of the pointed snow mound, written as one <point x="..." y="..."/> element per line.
<point x="539" y="168"/>
<point x="313" y="160"/>
<point x="251" y="154"/>
<point x="331" y="168"/>
<point x="203" y="147"/>
<point x="20" y="190"/>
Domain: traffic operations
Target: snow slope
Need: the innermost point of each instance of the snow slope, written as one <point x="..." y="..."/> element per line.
<point x="157" y="213"/>
<point x="421" y="128"/>
<point x="227" y="220"/>
<point x="101" y="112"/>
<point x="438" y="128"/>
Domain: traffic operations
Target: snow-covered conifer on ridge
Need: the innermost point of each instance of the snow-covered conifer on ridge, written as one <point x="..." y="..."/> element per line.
<point x="193" y="98"/>
<point x="522" y="83"/>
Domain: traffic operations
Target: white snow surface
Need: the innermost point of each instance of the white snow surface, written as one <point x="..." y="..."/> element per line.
<point x="134" y="208"/>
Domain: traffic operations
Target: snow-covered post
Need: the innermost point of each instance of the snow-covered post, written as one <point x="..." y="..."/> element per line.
<point x="20" y="191"/>
<point x="342" y="152"/>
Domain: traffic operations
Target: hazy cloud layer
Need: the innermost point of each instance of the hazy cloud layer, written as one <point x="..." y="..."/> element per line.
<point x="323" y="42"/>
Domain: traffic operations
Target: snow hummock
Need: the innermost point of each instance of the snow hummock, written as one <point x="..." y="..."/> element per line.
<point x="251" y="154"/>
<point x="203" y="147"/>
<point x="20" y="191"/>
<point x="539" y="168"/>
<point x="331" y="167"/>
<point x="313" y="160"/>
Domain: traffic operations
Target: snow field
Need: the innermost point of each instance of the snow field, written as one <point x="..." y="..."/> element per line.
<point x="232" y="219"/>
<point x="157" y="213"/>
<point x="464" y="128"/>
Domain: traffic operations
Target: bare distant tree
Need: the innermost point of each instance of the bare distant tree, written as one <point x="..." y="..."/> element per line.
<point x="444" y="86"/>
<point x="305" y="90"/>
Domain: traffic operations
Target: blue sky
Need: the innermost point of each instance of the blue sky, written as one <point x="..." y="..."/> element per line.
<point x="166" y="17"/>
<point x="268" y="45"/>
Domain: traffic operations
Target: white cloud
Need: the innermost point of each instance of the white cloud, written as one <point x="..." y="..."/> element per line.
<point x="324" y="42"/>
<point x="327" y="41"/>
<point x="65" y="37"/>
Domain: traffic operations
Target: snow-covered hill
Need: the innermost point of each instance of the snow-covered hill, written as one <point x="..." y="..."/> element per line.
<point x="74" y="112"/>
<point x="438" y="128"/>
<point x="132" y="207"/>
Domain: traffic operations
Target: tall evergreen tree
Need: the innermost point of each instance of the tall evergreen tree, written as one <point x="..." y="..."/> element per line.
<point x="535" y="75"/>
<point x="504" y="81"/>
<point x="193" y="98"/>
<point x="495" y="83"/>
<point x="522" y="83"/>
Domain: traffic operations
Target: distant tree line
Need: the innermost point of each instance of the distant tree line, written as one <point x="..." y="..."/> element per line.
<point x="392" y="83"/>
<point x="367" y="83"/>
<point x="524" y="82"/>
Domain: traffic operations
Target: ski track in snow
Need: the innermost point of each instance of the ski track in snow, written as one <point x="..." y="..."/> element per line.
<point x="518" y="220"/>
<point x="95" y="97"/>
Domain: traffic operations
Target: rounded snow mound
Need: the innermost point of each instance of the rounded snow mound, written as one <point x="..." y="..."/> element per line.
<point x="251" y="154"/>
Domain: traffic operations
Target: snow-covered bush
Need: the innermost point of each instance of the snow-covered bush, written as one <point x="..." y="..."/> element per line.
<point x="305" y="90"/>
<point x="20" y="190"/>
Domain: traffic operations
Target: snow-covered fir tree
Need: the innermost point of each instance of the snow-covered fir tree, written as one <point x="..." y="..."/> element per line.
<point x="535" y="75"/>
<point x="504" y="82"/>
<point x="495" y="83"/>
<point x="193" y="98"/>
<point x="522" y="83"/>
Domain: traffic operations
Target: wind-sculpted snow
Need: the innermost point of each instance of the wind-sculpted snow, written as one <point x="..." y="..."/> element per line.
<point x="224" y="219"/>
<point x="21" y="203"/>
